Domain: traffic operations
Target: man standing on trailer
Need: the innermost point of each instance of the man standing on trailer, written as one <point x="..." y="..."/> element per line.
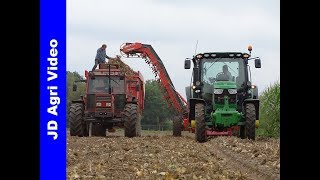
<point x="101" y="56"/>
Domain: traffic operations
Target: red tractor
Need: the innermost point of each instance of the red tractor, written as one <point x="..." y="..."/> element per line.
<point x="113" y="98"/>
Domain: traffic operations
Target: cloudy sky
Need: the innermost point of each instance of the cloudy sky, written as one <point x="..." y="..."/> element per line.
<point x="173" y="29"/>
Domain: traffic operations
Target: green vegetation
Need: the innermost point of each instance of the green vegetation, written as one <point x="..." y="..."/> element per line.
<point x="270" y="111"/>
<point x="156" y="114"/>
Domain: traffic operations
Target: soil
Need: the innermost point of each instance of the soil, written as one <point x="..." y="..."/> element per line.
<point x="159" y="155"/>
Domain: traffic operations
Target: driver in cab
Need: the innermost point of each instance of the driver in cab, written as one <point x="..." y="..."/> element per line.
<point x="225" y="74"/>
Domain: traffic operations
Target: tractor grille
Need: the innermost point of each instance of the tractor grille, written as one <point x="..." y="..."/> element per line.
<point x="219" y="98"/>
<point x="104" y="99"/>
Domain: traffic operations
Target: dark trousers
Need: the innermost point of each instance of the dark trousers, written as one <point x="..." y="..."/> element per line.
<point x="96" y="62"/>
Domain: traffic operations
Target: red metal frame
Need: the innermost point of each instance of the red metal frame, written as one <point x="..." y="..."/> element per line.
<point x="139" y="50"/>
<point x="210" y="132"/>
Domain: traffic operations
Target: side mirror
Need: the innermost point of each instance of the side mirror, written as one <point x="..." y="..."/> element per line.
<point x="187" y="64"/>
<point x="74" y="87"/>
<point x="257" y="63"/>
<point x="137" y="87"/>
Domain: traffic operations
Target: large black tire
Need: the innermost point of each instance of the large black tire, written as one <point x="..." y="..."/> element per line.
<point x="77" y="124"/>
<point x="177" y="126"/>
<point x="249" y="130"/>
<point x="132" y="124"/>
<point x="250" y="121"/>
<point x="98" y="130"/>
<point x="200" y="129"/>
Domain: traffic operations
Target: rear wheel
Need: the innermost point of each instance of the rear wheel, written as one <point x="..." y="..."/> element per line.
<point x="77" y="124"/>
<point x="98" y="130"/>
<point x="177" y="126"/>
<point x="132" y="124"/>
<point x="200" y="129"/>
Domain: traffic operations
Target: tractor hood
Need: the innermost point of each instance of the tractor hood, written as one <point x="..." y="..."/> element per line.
<point x="225" y="85"/>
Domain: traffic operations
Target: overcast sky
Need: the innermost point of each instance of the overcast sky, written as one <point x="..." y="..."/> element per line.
<point x="173" y="28"/>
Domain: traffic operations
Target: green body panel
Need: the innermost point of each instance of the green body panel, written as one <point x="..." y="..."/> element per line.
<point x="225" y="114"/>
<point x="225" y="85"/>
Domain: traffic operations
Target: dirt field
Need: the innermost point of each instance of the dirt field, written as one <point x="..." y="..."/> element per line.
<point x="159" y="155"/>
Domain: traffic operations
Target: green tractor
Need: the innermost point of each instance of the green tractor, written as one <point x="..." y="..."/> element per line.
<point x="221" y="99"/>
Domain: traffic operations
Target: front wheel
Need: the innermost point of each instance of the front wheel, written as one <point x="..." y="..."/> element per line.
<point x="200" y="129"/>
<point x="132" y="124"/>
<point x="77" y="124"/>
<point x="249" y="129"/>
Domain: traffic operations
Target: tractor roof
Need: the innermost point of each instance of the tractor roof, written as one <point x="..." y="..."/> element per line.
<point x="221" y="55"/>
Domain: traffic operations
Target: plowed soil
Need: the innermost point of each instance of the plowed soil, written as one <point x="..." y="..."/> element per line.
<point x="159" y="155"/>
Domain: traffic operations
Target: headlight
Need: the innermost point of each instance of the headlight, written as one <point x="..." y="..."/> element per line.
<point x="232" y="91"/>
<point x="218" y="91"/>
<point x="108" y="104"/>
<point x="98" y="104"/>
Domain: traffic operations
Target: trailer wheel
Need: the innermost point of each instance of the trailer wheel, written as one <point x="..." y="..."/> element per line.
<point x="98" y="130"/>
<point x="200" y="129"/>
<point x="177" y="126"/>
<point x="132" y="124"/>
<point x="77" y="124"/>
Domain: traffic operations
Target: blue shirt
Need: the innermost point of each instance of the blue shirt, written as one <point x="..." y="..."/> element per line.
<point x="101" y="55"/>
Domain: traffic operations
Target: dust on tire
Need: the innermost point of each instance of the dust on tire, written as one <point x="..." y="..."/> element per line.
<point x="250" y="129"/>
<point x="200" y="129"/>
<point x="132" y="124"/>
<point x="77" y="125"/>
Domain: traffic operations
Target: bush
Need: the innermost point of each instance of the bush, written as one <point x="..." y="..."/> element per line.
<point x="270" y="111"/>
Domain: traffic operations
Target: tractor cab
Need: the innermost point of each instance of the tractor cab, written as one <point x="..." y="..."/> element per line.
<point x="218" y="71"/>
<point x="221" y="88"/>
<point x="106" y="79"/>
